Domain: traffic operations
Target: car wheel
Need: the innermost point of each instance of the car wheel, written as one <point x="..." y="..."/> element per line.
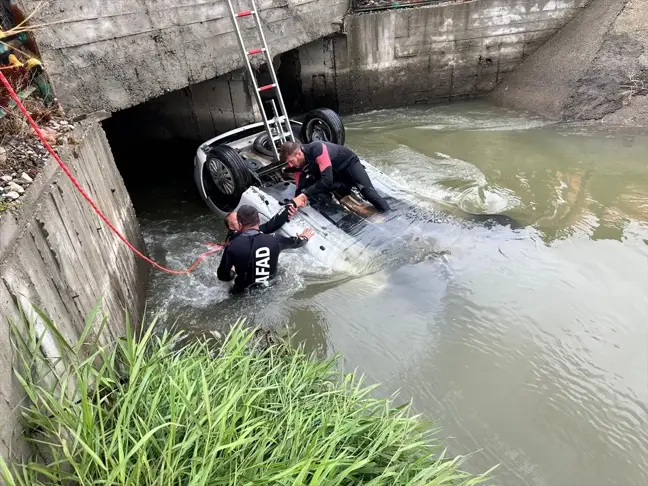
<point x="227" y="177"/>
<point x="262" y="142"/>
<point x="323" y="125"/>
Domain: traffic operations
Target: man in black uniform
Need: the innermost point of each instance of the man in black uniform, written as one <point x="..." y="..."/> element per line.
<point x="325" y="167"/>
<point x="251" y="257"/>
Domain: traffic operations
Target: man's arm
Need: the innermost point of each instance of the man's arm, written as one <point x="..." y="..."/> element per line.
<point x="326" y="169"/>
<point x="276" y="222"/>
<point x="295" y="241"/>
<point x="291" y="243"/>
<point x="225" y="272"/>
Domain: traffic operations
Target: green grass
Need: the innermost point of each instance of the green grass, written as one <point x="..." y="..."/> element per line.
<point x="146" y="412"/>
<point x="4" y="205"/>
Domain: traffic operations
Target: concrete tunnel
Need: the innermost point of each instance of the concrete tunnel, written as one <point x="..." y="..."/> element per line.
<point x="154" y="142"/>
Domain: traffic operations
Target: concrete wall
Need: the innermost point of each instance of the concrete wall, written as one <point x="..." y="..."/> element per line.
<point x="434" y="53"/>
<point x="55" y="252"/>
<point x="197" y="112"/>
<point x="623" y="60"/>
<point x="110" y="55"/>
<point x="589" y="63"/>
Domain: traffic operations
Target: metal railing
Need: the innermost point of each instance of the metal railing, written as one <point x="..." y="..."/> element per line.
<point x="367" y="5"/>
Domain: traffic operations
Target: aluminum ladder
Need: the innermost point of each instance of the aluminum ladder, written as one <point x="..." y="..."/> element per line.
<point x="277" y="128"/>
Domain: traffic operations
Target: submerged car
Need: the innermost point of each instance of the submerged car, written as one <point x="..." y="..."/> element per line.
<point x="241" y="167"/>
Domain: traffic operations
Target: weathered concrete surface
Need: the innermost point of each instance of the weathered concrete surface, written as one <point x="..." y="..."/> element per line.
<point x="57" y="254"/>
<point x="111" y="55"/>
<point x="197" y="112"/>
<point x="433" y="53"/>
<point x="615" y="87"/>
<point x="548" y="80"/>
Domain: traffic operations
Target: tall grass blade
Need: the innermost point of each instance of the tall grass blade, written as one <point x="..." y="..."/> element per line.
<point x="148" y="412"/>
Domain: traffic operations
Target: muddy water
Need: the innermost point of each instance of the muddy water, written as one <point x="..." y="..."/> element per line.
<point x="529" y="346"/>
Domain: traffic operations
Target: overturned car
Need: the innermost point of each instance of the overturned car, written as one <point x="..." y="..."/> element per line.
<point x="242" y="167"/>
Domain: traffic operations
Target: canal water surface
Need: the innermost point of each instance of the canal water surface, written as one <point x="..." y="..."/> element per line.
<point x="530" y="346"/>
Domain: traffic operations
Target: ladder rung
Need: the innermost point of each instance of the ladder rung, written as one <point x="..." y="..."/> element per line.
<point x="278" y="137"/>
<point x="267" y="87"/>
<point x="252" y="52"/>
<point x="245" y="13"/>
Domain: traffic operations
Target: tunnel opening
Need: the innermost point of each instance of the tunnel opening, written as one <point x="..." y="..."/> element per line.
<point x="154" y="143"/>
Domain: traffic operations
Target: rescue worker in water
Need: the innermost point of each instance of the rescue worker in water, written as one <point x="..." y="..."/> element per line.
<point x="270" y="226"/>
<point x="323" y="167"/>
<point x="251" y="258"/>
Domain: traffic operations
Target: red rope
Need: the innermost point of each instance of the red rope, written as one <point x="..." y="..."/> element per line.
<point x="49" y="148"/>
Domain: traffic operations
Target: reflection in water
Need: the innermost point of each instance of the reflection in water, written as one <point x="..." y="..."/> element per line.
<point x="528" y="345"/>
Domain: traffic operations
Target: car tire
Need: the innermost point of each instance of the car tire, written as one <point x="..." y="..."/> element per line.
<point x="261" y="144"/>
<point x="228" y="177"/>
<point x="323" y="125"/>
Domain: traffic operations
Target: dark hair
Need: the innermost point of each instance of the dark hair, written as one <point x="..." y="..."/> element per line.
<point x="247" y="216"/>
<point x="288" y="148"/>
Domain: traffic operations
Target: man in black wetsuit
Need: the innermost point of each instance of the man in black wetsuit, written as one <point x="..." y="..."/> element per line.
<point x="251" y="258"/>
<point x="324" y="167"/>
<point x="270" y="226"/>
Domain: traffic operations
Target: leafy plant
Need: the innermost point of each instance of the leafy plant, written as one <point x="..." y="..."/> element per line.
<point x="146" y="411"/>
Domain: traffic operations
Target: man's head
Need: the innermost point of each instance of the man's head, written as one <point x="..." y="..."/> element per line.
<point x="292" y="155"/>
<point x="231" y="221"/>
<point x="248" y="218"/>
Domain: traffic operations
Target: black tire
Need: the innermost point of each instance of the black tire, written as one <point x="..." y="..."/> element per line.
<point x="227" y="177"/>
<point x="262" y="146"/>
<point x="323" y="125"/>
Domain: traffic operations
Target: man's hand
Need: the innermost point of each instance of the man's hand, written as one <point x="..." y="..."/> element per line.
<point x="301" y="200"/>
<point x="292" y="210"/>
<point x="307" y="233"/>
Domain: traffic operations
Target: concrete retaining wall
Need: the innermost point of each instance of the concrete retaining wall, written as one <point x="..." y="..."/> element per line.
<point x="197" y="112"/>
<point x="427" y="54"/>
<point x="599" y="68"/>
<point x="56" y="253"/>
<point x="110" y="55"/>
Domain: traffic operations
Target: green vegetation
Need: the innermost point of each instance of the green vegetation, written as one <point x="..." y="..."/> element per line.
<point x="148" y="412"/>
<point x="4" y="206"/>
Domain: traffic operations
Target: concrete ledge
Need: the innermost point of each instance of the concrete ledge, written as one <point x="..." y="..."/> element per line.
<point x="114" y="54"/>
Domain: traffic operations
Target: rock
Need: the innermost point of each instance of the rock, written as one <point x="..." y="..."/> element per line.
<point x="50" y="134"/>
<point x="13" y="174"/>
<point x="6" y="178"/>
<point x="12" y="195"/>
<point x="3" y="155"/>
<point x="15" y="187"/>
<point x="25" y="178"/>
<point x="63" y="122"/>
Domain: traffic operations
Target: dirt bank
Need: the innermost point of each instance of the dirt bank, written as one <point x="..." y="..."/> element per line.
<point x="596" y="68"/>
<point x="615" y="86"/>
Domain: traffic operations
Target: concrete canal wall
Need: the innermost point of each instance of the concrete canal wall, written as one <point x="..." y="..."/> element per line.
<point x="440" y="52"/>
<point x="599" y="68"/>
<point x="57" y="254"/>
<point x="111" y="55"/>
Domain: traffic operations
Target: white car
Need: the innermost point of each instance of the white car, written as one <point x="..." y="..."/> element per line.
<point x="239" y="167"/>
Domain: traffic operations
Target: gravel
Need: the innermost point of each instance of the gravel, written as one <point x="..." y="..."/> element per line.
<point x="22" y="156"/>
